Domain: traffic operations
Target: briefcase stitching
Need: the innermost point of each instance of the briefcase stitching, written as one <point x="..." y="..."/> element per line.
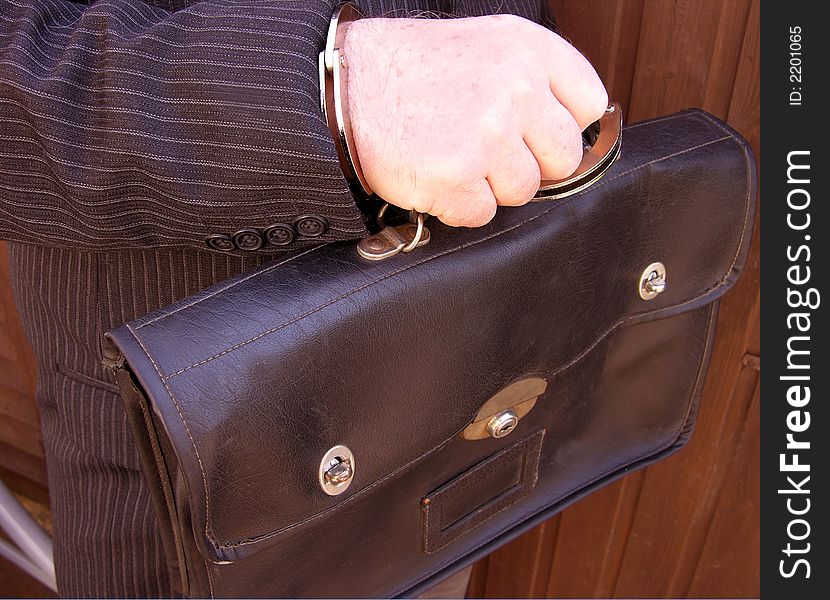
<point x="699" y="115"/>
<point x="476" y="242"/>
<point x="529" y="448"/>
<point x="210" y="535"/>
<point x="165" y="379"/>
<point x="235" y="283"/>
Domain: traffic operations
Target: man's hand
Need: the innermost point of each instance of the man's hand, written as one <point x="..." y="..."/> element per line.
<point x="456" y="116"/>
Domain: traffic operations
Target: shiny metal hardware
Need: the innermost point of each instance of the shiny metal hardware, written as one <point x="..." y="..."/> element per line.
<point x="336" y="470"/>
<point x="596" y="159"/>
<point x="653" y="281"/>
<point x="334" y="85"/>
<point x="503" y="423"/>
<point x="501" y="414"/>
<point x="339" y="472"/>
<point x="392" y="239"/>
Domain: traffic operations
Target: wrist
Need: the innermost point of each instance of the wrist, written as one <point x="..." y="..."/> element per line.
<point x="373" y="65"/>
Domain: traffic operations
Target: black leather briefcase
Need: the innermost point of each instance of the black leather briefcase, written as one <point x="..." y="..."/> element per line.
<point x="330" y="426"/>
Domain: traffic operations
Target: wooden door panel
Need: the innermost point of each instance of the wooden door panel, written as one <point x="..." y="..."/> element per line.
<point x="687" y="55"/>
<point x="22" y="465"/>
<point x="614" y="32"/>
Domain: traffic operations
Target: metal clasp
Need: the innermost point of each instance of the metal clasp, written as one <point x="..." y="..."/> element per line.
<point x="336" y="470"/>
<point x="653" y="281"/>
<point x="503" y="423"/>
<point x="501" y="414"/>
<point x="392" y="239"/>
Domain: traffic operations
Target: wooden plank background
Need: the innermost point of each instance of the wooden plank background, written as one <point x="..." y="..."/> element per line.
<point x="22" y="465"/>
<point x="689" y="526"/>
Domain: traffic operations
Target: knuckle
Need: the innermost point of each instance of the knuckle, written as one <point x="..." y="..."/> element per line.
<point x="569" y="157"/>
<point x="597" y="107"/>
<point x="528" y="190"/>
<point x="482" y="214"/>
<point x="522" y="88"/>
<point x="421" y="203"/>
<point x="594" y="95"/>
<point x="494" y="124"/>
<point x="469" y="210"/>
<point x="523" y="185"/>
<point x="451" y="173"/>
<point x="572" y="159"/>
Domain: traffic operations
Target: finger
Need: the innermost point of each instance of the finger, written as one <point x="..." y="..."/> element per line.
<point x="555" y="139"/>
<point x="515" y="178"/>
<point x="575" y="82"/>
<point x="473" y="206"/>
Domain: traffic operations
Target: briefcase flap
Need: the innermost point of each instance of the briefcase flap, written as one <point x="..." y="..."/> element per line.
<point x="253" y="380"/>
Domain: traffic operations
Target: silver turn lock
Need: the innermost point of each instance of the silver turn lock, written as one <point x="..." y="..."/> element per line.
<point x="339" y="472"/>
<point x="336" y="470"/>
<point x="653" y="281"/>
<point x="502" y="423"/>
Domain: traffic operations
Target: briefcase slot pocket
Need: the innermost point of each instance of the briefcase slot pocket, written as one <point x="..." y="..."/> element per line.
<point x="481" y="492"/>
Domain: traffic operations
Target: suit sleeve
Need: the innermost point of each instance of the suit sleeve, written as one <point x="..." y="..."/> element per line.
<point x="124" y="125"/>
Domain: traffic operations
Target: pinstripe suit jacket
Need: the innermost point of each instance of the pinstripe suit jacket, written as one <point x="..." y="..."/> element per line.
<point x="130" y="131"/>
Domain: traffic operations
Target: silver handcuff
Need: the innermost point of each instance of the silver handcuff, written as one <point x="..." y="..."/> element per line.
<point x="598" y="156"/>
<point x="596" y="160"/>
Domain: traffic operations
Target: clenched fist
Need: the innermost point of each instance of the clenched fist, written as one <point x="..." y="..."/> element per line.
<point x="454" y="117"/>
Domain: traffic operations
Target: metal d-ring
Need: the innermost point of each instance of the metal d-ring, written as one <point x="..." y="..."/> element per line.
<point x="392" y="239"/>
<point x="419" y="232"/>
<point x="418" y="221"/>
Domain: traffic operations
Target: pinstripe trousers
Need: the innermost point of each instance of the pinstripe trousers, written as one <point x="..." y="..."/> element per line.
<point x="107" y="540"/>
<point x="130" y="132"/>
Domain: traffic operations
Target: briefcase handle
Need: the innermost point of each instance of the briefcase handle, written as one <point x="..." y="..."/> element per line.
<point x="597" y="158"/>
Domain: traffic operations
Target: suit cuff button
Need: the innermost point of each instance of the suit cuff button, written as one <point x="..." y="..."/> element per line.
<point x="247" y="239"/>
<point x="279" y="234"/>
<point x="311" y="225"/>
<point x="220" y="242"/>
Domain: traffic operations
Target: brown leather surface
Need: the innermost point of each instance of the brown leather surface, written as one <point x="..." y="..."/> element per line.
<point x="251" y="381"/>
<point x="481" y="492"/>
